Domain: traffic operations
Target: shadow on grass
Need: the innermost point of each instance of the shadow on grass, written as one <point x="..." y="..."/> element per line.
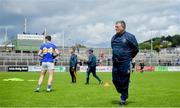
<point x="42" y="91"/>
<point x="116" y="102"/>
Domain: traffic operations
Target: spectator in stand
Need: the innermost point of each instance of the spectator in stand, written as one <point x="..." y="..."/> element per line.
<point x="142" y="67"/>
<point x="133" y="65"/>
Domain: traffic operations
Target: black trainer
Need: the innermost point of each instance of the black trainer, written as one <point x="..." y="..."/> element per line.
<point x="86" y="83"/>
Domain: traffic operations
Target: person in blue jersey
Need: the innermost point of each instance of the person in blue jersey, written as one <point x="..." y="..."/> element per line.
<point x="124" y="48"/>
<point x="73" y="64"/>
<point x="92" y="67"/>
<point x="48" y="52"/>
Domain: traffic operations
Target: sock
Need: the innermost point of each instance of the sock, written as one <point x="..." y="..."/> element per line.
<point x="38" y="86"/>
<point x="49" y="86"/>
<point x="87" y="80"/>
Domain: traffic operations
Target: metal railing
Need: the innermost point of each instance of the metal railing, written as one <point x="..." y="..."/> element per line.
<point x="154" y="59"/>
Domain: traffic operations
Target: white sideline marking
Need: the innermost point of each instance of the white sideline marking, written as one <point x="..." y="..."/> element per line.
<point x="13" y="79"/>
<point x="16" y="79"/>
<point x="31" y="80"/>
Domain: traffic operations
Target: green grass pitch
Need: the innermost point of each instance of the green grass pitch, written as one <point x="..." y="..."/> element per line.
<point x="150" y="89"/>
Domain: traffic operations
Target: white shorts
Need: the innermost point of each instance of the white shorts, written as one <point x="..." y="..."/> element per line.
<point x="47" y="66"/>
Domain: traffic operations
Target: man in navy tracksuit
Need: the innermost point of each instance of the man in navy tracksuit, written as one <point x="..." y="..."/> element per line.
<point x="73" y="65"/>
<point x="92" y="67"/>
<point x="124" y="49"/>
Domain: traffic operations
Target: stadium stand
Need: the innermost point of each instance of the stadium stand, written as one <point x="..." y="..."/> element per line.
<point x="154" y="58"/>
<point x="18" y="55"/>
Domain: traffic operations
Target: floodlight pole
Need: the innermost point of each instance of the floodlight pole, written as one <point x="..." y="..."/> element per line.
<point x="151" y="49"/>
<point x="45" y="33"/>
<point x="5" y="38"/>
<point x="63" y="47"/>
<point x="63" y="41"/>
<point x="25" y="25"/>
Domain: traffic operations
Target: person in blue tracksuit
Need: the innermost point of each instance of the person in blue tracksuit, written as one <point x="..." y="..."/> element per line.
<point x="92" y="67"/>
<point x="73" y="65"/>
<point x="124" y="48"/>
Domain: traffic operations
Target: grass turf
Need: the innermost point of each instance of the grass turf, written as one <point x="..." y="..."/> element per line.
<point x="150" y="89"/>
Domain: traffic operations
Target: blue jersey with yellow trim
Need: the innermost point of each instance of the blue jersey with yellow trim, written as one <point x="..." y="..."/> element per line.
<point x="48" y="49"/>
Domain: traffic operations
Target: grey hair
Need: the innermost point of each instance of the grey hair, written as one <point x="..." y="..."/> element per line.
<point x="122" y="23"/>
